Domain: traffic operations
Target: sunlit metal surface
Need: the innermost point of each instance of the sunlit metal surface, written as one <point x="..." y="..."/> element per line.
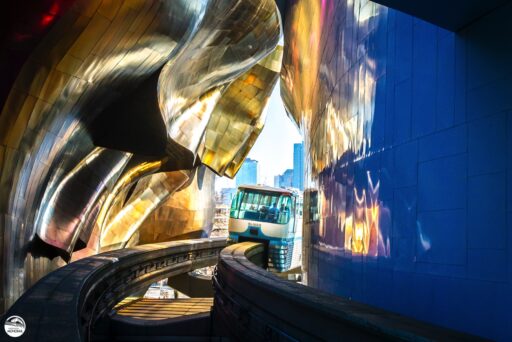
<point x="239" y="116"/>
<point x="93" y="54"/>
<point x="222" y="48"/>
<point x="149" y="194"/>
<point x="328" y="85"/>
<point x="114" y="201"/>
<point x="187" y="214"/>
<point x="68" y="211"/>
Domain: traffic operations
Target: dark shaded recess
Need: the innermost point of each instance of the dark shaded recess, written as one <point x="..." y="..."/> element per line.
<point x="133" y="122"/>
<point x="129" y="193"/>
<point x="79" y="244"/>
<point x="179" y="158"/>
<point x="282" y="6"/>
<point x="452" y="15"/>
<point x="38" y="248"/>
<point x="192" y="285"/>
<point x="24" y="24"/>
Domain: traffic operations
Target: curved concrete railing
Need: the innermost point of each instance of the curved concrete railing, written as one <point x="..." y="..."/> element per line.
<point x="65" y="304"/>
<point x="252" y="304"/>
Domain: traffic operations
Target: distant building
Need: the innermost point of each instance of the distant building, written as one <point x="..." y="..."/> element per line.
<point x="248" y="173"/>
<point x="226" y="196"/>
<point x="298" y="166"/>
<point x="277" y="181"/>
<point x="285" y="180"/>
<point x="223" y="199"/>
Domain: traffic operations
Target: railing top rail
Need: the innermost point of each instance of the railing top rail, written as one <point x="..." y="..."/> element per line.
<point x="64" y="305"/>
<point x="294" y="311"/>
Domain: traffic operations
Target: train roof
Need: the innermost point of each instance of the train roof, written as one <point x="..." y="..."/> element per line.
<point x="269" y="189"/>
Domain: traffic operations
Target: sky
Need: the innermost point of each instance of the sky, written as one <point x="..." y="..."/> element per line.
<point x="274" y="147"/>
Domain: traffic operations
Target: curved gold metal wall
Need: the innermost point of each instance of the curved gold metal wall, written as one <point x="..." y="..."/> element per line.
<point x="187" y="214"/>
<point x="61" y="194"/>
<point x="150" y="192"/>
<point x="239" y="116"/>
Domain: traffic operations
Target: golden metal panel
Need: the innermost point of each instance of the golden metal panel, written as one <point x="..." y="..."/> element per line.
<point x="98" y="52"/>
<point x="187" y="213"/>
<point x="214" y="56"/>
<point x="149" y="194"/>
<point x="238" y="115"/>
<point x="69" y="64"/>
<point x="90" y="36"/>
<point x="87" y="8"/>
<point x="109" y="8"/>
<point x="55" y="81"/>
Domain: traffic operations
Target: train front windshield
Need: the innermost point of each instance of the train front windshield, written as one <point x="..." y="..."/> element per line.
<point x="262" y="206"/>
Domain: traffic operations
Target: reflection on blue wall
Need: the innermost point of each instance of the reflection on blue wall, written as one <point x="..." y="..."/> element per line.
<point x="408" y="131"/>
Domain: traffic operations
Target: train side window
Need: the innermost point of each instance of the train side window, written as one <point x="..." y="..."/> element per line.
<point x="285" y="208"/>
<point x="235" y="205"/>
<point x="250" y="206"/>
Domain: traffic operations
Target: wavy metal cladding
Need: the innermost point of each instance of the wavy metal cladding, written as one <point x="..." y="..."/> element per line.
<point x="64" y="217"/>
<point x="233" y="37"/>
<point x="239" y="116"/>
<point x="188" y="213"/>
<point x="162" y="206"/>
<point x="95" y="54"/>
<point x="150" y="192"/>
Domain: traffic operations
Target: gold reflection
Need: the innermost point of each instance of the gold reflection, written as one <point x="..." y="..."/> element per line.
<point x="328" y="84"/>
<point x="149" y="194"/>
<point x="95" y="54"/>
<point x="206" y="69"/>
<point x="329" y="93"/>
<point x="239" y="116"/>
<point x="301" y="63"/>
<point x="187" y="214"/>
<point x="92" y="54"/>
<point x="117" y="196"/>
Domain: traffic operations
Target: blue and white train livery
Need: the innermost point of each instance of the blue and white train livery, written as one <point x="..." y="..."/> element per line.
<point x="272" y="216"/>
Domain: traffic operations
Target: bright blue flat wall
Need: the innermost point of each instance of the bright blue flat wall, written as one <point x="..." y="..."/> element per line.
<point x="441" y="148"/>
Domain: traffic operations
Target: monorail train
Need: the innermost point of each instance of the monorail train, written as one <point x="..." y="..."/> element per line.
<point x="272" y="216"/>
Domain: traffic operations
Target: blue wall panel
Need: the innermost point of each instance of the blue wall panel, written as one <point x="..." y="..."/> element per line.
<point x="442" y="183"/>
<point x="412" y="169"/>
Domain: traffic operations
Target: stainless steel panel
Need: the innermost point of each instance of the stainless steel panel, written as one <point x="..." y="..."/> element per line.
<point x="56" y="187"/>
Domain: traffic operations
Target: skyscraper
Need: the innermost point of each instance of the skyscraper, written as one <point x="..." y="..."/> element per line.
<point x="298" y="166"/>
<point x="248" y="173"/>
<point x="277" y="181"/>
<point x="285" y="180"/>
